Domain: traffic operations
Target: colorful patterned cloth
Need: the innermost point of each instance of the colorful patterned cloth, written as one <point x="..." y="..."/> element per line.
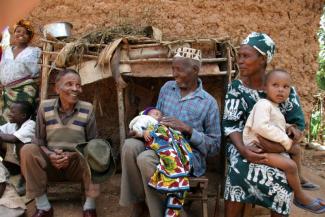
<point x="262" y="43"/>
<point x="248" y="182"/>
<point x="24" y="91"/>
<point x="171" y="176"/>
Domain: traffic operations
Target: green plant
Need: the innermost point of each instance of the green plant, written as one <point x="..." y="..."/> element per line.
<point x="320" y="76"/>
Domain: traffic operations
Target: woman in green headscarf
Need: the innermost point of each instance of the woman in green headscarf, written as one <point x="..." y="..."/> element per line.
<point x="248" y="179"/>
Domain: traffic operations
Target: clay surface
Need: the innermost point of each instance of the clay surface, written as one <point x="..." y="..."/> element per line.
<point x="292" y="24"/>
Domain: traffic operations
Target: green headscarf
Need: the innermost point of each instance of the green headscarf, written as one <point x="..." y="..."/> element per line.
<point x="262" y="43"/>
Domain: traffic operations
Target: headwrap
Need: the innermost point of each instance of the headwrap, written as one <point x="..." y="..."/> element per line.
<point x="262" y="43"/>
<point x="147" y="110"/>
<point x="27" y="25"/>
<point x="189" y="53"/>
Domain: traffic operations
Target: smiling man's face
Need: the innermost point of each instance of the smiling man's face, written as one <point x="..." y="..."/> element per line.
<point x="69" y="88"/>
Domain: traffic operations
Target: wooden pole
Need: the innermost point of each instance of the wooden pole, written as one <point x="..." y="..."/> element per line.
<point x="83" y="55"/>
<point x="45" y="70"/>
<point x="229" y="65"/>
<point x="120" y="85"/>
<point x="168" y="60"/>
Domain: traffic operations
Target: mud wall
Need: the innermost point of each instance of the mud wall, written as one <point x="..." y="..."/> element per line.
<point x="291" y="23"/>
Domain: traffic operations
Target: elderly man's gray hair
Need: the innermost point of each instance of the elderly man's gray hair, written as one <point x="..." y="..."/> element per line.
<point x="65" y="72"/>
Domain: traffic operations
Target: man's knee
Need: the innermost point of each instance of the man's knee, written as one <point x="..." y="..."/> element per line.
<point x="147" y="159"/>
<point x="132" y="147"/>
<point x="28" y="151"/>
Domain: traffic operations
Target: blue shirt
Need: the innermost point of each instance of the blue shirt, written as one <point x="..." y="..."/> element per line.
<point x="198" y="110"/>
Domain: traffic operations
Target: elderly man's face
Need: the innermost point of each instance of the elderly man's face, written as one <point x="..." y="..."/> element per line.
<point x="184" y="73"/>
<point x="69" y="88"/>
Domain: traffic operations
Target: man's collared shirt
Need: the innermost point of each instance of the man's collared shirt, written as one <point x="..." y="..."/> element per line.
<point x="40" y="131"/>
<point x="198" y="110"/>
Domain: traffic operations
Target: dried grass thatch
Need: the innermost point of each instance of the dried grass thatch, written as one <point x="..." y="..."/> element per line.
<point x="93" y="42"/>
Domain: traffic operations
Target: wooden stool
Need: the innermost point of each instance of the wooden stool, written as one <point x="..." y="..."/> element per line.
<point x="71" y="194"/>
<point x="199" y="191"/>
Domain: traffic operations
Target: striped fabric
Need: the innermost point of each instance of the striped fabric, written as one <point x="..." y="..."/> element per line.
<point x="65" y="136"/>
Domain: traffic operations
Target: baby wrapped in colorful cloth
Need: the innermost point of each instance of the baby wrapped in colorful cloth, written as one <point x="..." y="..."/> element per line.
<point x="139" y="125"/>
<point x="175" y="153"/>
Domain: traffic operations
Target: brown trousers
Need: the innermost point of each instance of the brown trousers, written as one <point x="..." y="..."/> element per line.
<point x="38" y="170"/>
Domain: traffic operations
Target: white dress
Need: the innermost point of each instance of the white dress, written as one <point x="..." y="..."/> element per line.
<point x="24" y="65"/>
<point x="141" y="122"/>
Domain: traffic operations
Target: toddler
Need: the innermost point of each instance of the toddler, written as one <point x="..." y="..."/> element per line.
<point x="267" y="121"/>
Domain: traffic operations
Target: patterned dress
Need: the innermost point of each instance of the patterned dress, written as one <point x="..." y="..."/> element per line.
<point x="248" y="182"/>
<point x="16" y="75"/>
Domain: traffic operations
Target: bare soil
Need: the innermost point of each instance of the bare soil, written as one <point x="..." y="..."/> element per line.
<point x="68" y="201"/>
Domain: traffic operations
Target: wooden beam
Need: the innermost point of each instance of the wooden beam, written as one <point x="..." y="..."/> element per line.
<point x="168" y="60"/>
<point x="45" y="70"/>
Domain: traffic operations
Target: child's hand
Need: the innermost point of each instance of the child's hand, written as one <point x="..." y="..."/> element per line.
<point x="295" y="134"/>
<point x="146" y="136"/>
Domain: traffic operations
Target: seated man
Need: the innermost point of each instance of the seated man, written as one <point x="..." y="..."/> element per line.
<point x="186" y="108"/>
<point x="61" y="124"/>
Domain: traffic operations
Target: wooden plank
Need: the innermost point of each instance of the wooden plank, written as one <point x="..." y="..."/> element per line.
<point x="45" y="70"/>
<point x="169" y="60"/>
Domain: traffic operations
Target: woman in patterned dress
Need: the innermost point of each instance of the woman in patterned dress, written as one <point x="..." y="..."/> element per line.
<point x="18" y="67"/>
<point x="248" y="180"/>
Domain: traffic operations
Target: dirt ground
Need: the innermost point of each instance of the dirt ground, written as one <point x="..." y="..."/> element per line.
<point x="70" y="204"/>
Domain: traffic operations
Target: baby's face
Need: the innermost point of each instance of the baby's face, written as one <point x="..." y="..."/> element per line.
<point x="155" y="113"/>
<point x="278" y="87"/>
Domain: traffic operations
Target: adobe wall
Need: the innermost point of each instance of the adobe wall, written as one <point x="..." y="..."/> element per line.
<point x="291" y="23"/>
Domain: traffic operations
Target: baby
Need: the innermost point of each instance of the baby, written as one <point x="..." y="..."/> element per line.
<point x="267" y="121"/>
<point x="139" y="125"/>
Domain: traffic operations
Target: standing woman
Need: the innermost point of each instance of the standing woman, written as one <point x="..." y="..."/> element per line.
<point x="18" y="67"/>
<point x="248" y="179"/>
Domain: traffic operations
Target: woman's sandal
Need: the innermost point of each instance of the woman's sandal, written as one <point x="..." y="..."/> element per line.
<point x="309" y="186"/>
<point x="314" y="206"/>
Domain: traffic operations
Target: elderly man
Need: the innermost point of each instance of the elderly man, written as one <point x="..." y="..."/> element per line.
<point x="186" y="108"/>
<point x="61" y="124"/>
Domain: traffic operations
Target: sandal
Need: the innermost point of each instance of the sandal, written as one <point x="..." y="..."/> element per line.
<point x="313" y="207"/>
<point x="309" y="186"/>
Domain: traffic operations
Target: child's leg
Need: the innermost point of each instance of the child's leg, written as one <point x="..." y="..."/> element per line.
<point x="291" y="171"/>
<point x="295" y="154"/>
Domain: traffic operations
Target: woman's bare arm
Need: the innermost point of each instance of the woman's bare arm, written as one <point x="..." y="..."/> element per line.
<point x="251" y="153"/>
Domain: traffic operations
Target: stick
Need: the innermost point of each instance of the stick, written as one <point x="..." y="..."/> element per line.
<point x="45" y="70"/>
<point x="159" y="60"/>
<point x="229" y="65"/>
<point x="56" y="53"/>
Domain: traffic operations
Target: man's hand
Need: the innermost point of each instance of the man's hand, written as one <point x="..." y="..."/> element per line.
<point x="61" y="159"/>
<point x="176" y="124"/>
<point x="295" y="134"/>
<point x="268" y="146"/>
<point x="254" y="155"/>
<point x="57" y="160"/>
